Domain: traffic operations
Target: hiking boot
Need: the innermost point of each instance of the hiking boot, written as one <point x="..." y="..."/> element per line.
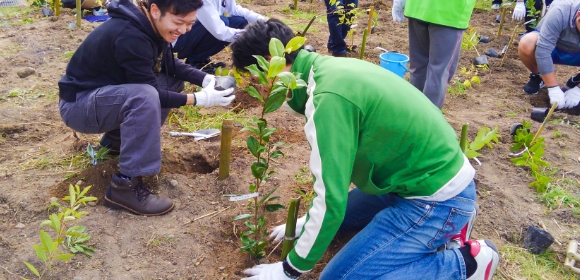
<point x="572" y="82"/>
<point x="135" y="196"/>
<point x="486" y="256"/>
<point x="112" y="141"/>
<point x="534" y="84"/>
<point x="207" y="66"/>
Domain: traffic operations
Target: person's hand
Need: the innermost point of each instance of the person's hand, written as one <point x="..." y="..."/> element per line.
<point x="207" y="79"/>
<point x="399" y="10"/>
<point x="209" y="96"/>
<point x="556" y="95"/>
<point x="272" y="271"/>
<point x="572" y="98"/>
<point x="519" y="11"/>
<point x="279" y="231"/>
<point x="263" y="18"/>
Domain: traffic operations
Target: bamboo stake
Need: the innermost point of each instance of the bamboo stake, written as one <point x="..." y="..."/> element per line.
<point x="308" y="26"/>
<point x="502" y="20"/>
<point x="295" y="5"/>
<point x="225" y="149"/>
<point x="79" y="13"/>
<point x="289" y="237"/>
<point x="463" y="139"/>
<point x="544" y="123"/>
<point x="57" y="7"/>
<point x="509" y="44"/>
<point x="367" y="32"/>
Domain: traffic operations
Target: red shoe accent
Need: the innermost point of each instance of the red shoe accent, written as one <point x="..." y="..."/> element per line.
<point x="488" y="270"/>
<point x="475" y="247"/>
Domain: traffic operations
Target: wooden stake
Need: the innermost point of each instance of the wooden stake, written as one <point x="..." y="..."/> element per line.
<point x="544" y="123"/>
<point x="290" y="227"/>
<point x="79" y="13"/>
<point x="308" y="26"/>
<point x="57" y="7"/>
<point x="509" y="44"/>
<point x="502" y="20"/>
<point x="225" y="149"/>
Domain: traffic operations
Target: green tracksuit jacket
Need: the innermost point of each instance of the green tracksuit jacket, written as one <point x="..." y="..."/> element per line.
<point x="451" y="13"/>
<point x="368" y="126"/>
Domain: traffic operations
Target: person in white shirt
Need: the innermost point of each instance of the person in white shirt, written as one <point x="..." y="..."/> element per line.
<point x="218" y="24"/>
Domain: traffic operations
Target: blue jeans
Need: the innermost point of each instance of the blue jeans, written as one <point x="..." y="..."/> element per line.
<point x="338" y="31"/>
<point x="399" y="237"/>
<point x="198" y="44"/>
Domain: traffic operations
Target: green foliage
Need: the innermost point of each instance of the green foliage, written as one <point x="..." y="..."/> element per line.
<point x="470" y="39"/>
<point x="306" y="196"/>
<point x="533" y="13"/>
<point x="464" y="80"/>
<point x="532" y="155"/>
<point x="48" y="250"/>
<point x="101" y="155"/>
<point x="556" y="197"/>
<point x="270" y="74"/>
<point x="484" y="137"/>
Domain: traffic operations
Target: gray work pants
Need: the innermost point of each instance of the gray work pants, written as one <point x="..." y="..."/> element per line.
<point x="433" y="56"/>
<point x="135" y="110"/>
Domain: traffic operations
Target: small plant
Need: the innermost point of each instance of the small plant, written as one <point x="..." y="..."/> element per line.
<point x="470" y="39"/>
<point x="533" y="13"/>
<point x="48" y="250"/>
<point x="306" y="196"/>
<point x="484" y="137"/>
<point x="101" y="155"/>
<point x="465" y="80"/>
<point x="531" y="156"/>
<point x="270" y="74"/>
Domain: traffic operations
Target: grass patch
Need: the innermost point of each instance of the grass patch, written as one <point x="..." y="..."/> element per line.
<point x="15" y="11"/>
<point x="519" y="263"/>
<point x="67" y="55"/>
<point x="189" y="119"/>
<point x="484" y="5"/>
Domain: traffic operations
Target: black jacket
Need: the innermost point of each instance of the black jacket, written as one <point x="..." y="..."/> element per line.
<point x="125" y="50"/>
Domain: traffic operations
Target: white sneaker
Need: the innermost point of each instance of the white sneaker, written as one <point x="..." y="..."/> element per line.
<point x="495" y="6"/>
<point x="487" y="258"/>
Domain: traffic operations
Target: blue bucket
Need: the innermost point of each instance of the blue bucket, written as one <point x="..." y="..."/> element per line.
<point x="394" y="62"/>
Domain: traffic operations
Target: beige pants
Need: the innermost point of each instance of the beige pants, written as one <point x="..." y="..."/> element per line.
<point x="91" y="4"/>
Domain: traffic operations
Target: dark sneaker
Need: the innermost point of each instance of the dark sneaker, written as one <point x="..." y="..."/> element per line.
<point x="207" y="66"/>
<point x="135" y="196"/>
<point x="487" y="258"/>
<point x="572" y="82"/>
<point x="112" y="141"/>
<point x="534" y="84"/>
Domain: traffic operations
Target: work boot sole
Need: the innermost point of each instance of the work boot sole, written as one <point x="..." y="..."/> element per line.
<point x="114" y="205"/>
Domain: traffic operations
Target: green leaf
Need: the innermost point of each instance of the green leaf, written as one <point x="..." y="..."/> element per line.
<point x="55" y="222"/>
<point x="40" y="252"/>
<point x="274" y="207"/>
<point x="32" y="268"/>
<point x="295" y="43"/>
<point x="64" y="257"/>
<point x="257" y="169"/>
<point x="276" y="154"/>
<point x="300" y="83"/>
<point x="469" y="153"/>
<point x="269" y="131"/>
<point x="256" y="72"/>
<point x="274" y="198"/>
<point x="253" y="145"/>
<point x="85" y="190"/>
<point x="276" y="47"/>
<point x="277" y="65"/>
<point x="262" y="62"/>
<point x="254" y="93"/>
<point x="84" y="200"/>
<point x="275" y="100"/>
<point x="46" y="241"/>
<point x="253" y="188"/>
<point x="267" y="195"/>
<point x="72" y="195"/>
<point x="287" y="79"/>
<point x="241" y="217"/>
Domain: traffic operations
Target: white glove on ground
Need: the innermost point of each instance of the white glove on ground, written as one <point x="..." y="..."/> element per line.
<point x="495" y="6"/>
<point x="272" y="271"/>
<point x="207" y="79"/>
<point x="279" y="231"/>
<point x="209" y="96"/>
<point x="572" y="97"/>
<point x="556" y="95"/>
<point x="519" y="11"/>
<point x="399" y="10"/>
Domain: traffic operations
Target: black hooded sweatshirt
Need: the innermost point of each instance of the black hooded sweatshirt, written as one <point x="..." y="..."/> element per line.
<point x="125" y="50"/>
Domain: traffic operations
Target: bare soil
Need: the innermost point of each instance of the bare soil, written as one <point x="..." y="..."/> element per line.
<point x="36" y="148"/>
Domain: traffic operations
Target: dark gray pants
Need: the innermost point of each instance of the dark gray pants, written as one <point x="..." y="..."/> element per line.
<point x="433" y="56"/>
<point x="135" y="110"/>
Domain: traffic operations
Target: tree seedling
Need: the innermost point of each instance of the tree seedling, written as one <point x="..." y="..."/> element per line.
<point x="484" y="137"/>
<point x="48" y="250"/>
<point x="271" y="74"/>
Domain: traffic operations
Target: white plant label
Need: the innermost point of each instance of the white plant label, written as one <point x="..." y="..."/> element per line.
<point x="243" y="197"/>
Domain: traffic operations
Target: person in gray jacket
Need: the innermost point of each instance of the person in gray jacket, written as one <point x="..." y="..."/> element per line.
<point x="555" y="41"/>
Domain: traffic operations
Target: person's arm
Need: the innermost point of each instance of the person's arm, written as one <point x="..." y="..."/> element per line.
<point x="185" y="72"/>
<point x="550" y="28"/>
<point x="332" y="131"/>
<point x="249" y="15"/>
<point x="134" y="54"/>
<point x="208" y="15"/>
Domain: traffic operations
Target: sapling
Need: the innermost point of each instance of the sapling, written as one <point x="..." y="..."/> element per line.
<point x="75" y="236"/>
<point x="484" y="137"/>
<point x="270" y="74"/>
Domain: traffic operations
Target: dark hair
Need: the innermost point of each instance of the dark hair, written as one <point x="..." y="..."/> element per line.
<point x="176" y="7"/>
<point x="255" y="40"/>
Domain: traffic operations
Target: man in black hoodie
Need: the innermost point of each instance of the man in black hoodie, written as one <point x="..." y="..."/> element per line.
<point x="123" y="80"/>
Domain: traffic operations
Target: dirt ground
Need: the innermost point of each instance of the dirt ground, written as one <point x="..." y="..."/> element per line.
<point x="36" y="150"/>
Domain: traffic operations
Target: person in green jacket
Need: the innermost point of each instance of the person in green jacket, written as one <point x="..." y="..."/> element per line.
<point x="435" y="32"/>
<point x="414" y="186"/>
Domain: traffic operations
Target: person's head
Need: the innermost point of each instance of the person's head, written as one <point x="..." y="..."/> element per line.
<point x="173" y="18"/>
<point x="255" y="40"/>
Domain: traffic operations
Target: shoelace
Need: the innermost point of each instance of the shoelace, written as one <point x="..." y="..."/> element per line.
<point x="142" y="191"/>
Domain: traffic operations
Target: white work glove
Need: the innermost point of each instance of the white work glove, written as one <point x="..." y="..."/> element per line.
<point x="556" y="95"/>
<point x="279" y="231"/>
<point x="209" y="96"/>
<point x="207" y="79"/>
<point x="399" y="10"/>
<point x="572" y="98"/>
<point x="271" y="271"/>
<point x="262" y="18"/>
<point x="519" y="11"/>
<point x="495" y="7"/>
